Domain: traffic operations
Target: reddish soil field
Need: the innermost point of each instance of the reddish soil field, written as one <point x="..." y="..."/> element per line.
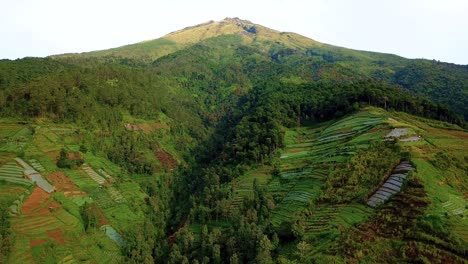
<point x="56" y="234"/>
<point x="166" y="159"/>
<point x="102" y="219"/>
<point x="74" y="155"/>
<point x="458" y="134"/>
<point x="38" y="242"/>
<point x="36" y="200"/>
<point x="64" y="184"/>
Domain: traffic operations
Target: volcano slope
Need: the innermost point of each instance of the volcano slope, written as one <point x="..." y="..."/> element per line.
<point x="232" y="142"/>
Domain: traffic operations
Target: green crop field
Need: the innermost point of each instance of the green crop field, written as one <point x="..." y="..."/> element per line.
<point x="54" y="231"/>
<point x="312" y="153"/>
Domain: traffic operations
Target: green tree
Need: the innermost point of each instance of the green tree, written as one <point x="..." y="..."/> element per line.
<point x="302" y="249"/>
<point x="5" y="239"/>
<point x="264" y="250"/>
<point x="90" y="214"/>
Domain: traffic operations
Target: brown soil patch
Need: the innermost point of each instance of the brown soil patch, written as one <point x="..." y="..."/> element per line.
<point x="75" y="194"/>
<point x="102" y="219"/>
<point x="166" y="159"/>
<point x="36" y="200"/>
<point x="458" y="134"/>
<point x="148" y="128"/>
<point x="56" y="234"/>
<point x="74" y="156"/>
<point x="64" y="184"/>
<point x="295" y="150"/>
<point x="38" y="242"/>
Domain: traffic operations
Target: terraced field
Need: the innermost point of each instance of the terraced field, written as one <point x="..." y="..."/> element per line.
<point x="306" y="162"/>
<point x="48" y="228"/>
<point x="94" y="175"/>
<point x="13" y="173"/>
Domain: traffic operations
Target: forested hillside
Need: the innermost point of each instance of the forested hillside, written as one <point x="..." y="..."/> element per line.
<point x="229" y="142"/>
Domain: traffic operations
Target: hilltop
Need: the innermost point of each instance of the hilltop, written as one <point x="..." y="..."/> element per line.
<point x="151" y="50"/>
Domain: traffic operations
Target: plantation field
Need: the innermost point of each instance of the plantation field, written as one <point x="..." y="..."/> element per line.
<point x="48" y="228"/>
<point x="309" y="156"/>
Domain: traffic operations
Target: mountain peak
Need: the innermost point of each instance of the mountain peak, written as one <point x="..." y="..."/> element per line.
<point x="249" y="32"/>
<point x="237" y="21"/>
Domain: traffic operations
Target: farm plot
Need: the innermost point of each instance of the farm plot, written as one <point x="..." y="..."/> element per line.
<point x="112" y="234"/>
<point x="63" y="184"/>
<point x="36" y="165"/>
<point x="105" y="174"/>
<point x="455" y="206"/>
<point x="21" y="251"/>
<point x="8" y="130"/>
<point x="62" y="131"/>
<point x="321" y="219"/>
<point x="115" y="194"/>
<point x="13" y="173"/>
<point x="80" y="178"/>
<point x="392" y="185"/>
<point x="102" y="198"/>
<point x="352" y="214"/>
<point x="94" y="175"/>
<point x="243" y="186"/>
<point x="307" y="161"/>
<point x="41" y="214"/>
<point x="326" y="218"/>
<point x="296" y="200"/>
<point x="31" y="150"/>
<point x="51" y="148"/>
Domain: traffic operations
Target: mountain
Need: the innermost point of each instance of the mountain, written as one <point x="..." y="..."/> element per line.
<point x="251" y="33"/>
<point x="229" y="142"/>
<point x="442" y="82"/>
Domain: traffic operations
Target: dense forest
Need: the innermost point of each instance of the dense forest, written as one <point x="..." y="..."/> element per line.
<point x="228" y="106"/>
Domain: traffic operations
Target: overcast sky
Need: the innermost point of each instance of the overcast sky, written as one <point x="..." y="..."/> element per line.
<point x="411" y="28"/>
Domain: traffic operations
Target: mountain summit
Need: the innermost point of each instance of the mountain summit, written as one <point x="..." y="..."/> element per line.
<point x="151" y="50"/>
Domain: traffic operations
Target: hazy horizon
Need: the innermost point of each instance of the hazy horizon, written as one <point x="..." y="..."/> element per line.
<point x="416" y="29"/>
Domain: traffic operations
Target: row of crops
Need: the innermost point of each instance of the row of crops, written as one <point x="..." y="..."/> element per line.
<point x="33" y="226"/>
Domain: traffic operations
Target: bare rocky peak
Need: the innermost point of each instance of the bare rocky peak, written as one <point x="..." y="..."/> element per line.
<point x="237" y="21"/>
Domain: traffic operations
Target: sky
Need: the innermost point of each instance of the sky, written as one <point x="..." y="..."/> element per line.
<point x="430" y="29"/>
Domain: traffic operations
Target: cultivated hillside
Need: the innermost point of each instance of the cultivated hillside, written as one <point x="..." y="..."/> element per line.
<point x="229" y="142"/>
